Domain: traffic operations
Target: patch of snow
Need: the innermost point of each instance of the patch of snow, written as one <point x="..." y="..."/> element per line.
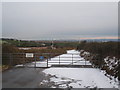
<point x="80" y="78"/>
<point x="20" y="65"/>
<point x="24" y="48"/>
<point x="73" y="52"/>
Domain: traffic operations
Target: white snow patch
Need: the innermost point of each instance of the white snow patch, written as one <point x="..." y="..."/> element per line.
<point x="19" y="65"/>
<point x="80" y="78"/>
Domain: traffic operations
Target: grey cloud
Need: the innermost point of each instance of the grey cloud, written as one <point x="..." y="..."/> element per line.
<point x="48" y="20"/>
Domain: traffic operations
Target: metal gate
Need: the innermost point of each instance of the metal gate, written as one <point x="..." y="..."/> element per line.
<point x="24" y="59"/>
<point x="68" y="60"/>
<point x="39" y="60"/>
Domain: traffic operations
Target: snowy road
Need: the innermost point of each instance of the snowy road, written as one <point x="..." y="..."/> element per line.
<point x="79" y="78"/>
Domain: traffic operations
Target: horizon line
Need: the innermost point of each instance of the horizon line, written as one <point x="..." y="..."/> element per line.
<point x="82" y="38"/>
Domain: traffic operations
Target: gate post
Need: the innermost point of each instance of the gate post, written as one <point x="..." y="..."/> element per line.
<point x="11" y="61"/>
<point x="72" y="59"/>
<point x="85" y="61"/>
<point x="59" y="59"/>
<point x="24" y="60"/>
<point x="35" y="61"/>
<point x="49" y="56"/>
<point x="47" y="62"/>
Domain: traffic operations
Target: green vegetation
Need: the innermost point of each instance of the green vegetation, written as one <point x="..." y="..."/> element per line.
<point x="24" y="43"/>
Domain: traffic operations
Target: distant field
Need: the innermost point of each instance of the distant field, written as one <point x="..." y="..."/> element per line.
<point x="2" y="42"/>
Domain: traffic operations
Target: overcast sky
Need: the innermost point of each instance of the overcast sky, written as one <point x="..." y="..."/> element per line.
<point x="60" y="20"/>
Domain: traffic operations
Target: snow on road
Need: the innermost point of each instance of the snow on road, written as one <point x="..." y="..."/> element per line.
<point x="80" y="78"/>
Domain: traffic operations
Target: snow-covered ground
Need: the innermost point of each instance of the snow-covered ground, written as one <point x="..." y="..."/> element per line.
<point x="79" y="78"/>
